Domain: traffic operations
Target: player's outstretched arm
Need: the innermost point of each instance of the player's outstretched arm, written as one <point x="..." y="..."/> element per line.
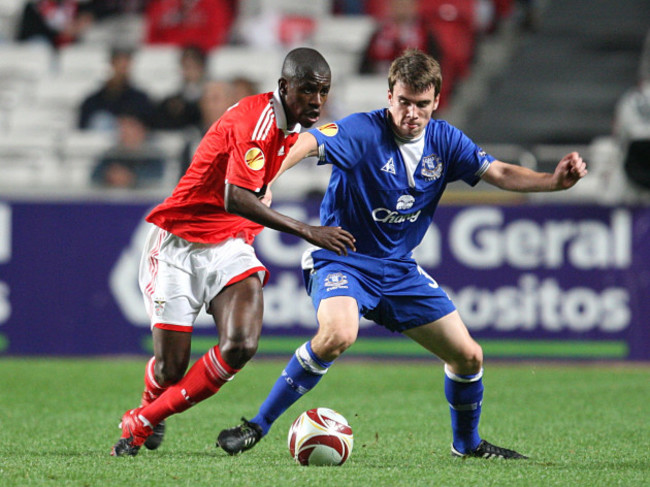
<point x="568" y="172"/>
<point x="243" y="202"/>
<point x="305" y="146"/>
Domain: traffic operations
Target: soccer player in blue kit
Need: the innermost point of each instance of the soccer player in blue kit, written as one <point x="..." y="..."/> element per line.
<point x="390" y="168"/>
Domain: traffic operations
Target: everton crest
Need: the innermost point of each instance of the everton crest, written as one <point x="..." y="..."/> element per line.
<point x="431" y="167"/>
<point x="336" y="280"/>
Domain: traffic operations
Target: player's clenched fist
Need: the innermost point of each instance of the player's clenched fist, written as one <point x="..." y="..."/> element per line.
<point x="569" y="170"/>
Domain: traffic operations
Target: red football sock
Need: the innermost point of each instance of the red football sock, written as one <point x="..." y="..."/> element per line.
<point x="152" y="390"/>
<point x="203" y="380"/>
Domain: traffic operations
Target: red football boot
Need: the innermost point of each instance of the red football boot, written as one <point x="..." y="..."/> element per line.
<point x="134" y="433"/>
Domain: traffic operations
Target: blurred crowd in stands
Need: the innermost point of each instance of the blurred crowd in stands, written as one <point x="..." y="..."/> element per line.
<point x="139" y="114"/>
<point x="632" y="136"/>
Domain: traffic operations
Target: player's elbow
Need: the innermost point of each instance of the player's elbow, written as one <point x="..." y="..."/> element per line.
<point x="231" y="199"/>
<point x="230" y="206"/>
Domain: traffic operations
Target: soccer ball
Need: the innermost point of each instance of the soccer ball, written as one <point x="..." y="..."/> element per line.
<point x="320" y="436"/>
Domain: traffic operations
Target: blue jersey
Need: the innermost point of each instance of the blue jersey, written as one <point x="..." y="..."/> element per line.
<point x="375" y="194"/>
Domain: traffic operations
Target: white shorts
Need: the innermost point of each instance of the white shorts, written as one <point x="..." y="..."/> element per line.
<point x="178" y="277"/>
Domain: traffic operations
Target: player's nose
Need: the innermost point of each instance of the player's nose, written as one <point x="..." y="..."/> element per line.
<point x="412" y="111"/>
<point x="317" y="100"/>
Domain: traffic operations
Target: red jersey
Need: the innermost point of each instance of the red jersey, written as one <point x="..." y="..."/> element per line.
<point x="245" y="147"/>
<point x="203" y="23"/>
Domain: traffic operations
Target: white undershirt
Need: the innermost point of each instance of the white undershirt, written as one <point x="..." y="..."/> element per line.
<point x="411" y="150"/>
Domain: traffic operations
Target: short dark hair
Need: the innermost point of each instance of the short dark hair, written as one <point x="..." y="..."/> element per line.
<point x="302" y="62"/>
<point x="194" y="52"/>
<point x="417" y="70"/>
<point x="121" y="50"/>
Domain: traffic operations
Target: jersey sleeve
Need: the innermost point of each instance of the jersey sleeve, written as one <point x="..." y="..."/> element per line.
<point x="248" y="159"/>
<point x="341" y="143"/>
<point x="468" y="161"/>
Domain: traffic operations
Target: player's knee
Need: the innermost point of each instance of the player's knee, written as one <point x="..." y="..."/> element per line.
<point x="169" y="372"/>
<point x="469" y="360"/>
<point x="331" y="345"/>
<point x="473" y="359"/>
<point x="237" y="353"/>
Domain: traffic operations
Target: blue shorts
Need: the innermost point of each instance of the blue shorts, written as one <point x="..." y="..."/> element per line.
<point x="396" y="294"/>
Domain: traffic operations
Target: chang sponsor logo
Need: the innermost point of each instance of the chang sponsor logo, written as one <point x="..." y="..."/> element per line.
<point x="405" y="202"/>
<point x="384" y="215"/>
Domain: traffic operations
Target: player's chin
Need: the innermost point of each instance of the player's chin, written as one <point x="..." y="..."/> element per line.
<point x="309" y="121"/>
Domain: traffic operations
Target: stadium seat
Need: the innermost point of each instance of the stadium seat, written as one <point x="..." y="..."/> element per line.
<point x="67" y="94"/>
<point x="152" y="60"/>
<point x="262" y="66"/>
<point x="297" y="7"/>
<point x="344" y="33"/>
<point x="158" y="87"/>
<point x="28" y="159"/>
<point x="548" y="155"/>
<point x="172" y="144"/>
<point x="513" y="153"/>
<point x="79" y="153"/>
<point x="156" y="69"/>
<point x="125" y="29"/>
<point x="10" y="13"/>
<point x="55" y="120"/>
<point x="362" y="93"/>
<point x="83" y="61"/>
<point x="28" y="61"/>
<point x="22" y="66"/>
<point x="343" y="64"/>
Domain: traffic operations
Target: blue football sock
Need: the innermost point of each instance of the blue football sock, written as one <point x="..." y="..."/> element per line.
<point x="465" y="396"/>
<point x="301" y="374"/>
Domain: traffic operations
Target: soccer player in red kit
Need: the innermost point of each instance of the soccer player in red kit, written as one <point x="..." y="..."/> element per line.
<point x="199" y="253"/>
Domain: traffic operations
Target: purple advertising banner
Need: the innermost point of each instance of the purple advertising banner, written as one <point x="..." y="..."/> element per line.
<point x="547" y="276"/>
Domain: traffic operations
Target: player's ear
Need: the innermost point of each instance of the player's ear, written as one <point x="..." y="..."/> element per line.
<point x="282" y="85"/>
<point x="436" y="102"/>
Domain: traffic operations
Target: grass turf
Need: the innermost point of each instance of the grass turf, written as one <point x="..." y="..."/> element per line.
<point x="581" y="425"/>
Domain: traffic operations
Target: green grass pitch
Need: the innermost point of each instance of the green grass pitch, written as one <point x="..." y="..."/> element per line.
<point x="581" y="424"/>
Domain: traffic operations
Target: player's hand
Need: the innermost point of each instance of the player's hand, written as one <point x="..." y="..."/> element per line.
<point x="331" y="238"/>
<point x="267" y="197"/>
<point x="569" y="171"/>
